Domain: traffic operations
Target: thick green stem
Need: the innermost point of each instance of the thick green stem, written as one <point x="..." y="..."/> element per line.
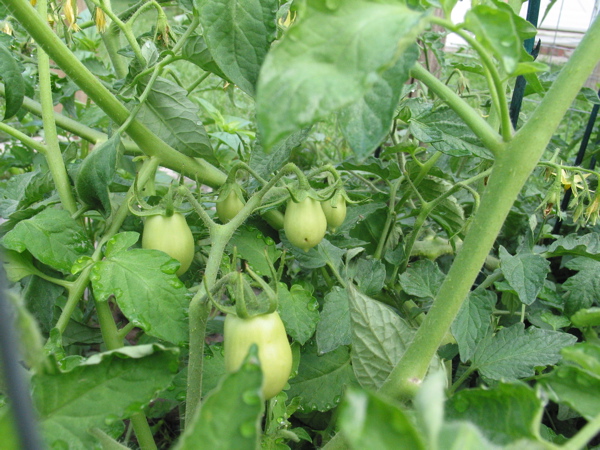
<point x="64" y="122"/>
<point x="497" y="87"/>
<point x="198" y="317"/>
<point x="75" y="294"/>
<point x="509" y="174"/>
<point x="458" y="383"/>
<point x="490" y="138"/>
<point x="53" y="154"/>
<point x="112" y="43"/>
<point x="72" y="66"/>
<point x="391" y="219"/>
<point x="113" y="341"/>
<point x="585" y="435"/>
<point x="29" y="142"/>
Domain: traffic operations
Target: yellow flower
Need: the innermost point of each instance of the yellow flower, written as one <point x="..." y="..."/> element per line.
<point x="288" y="20"/>
<point x="7" y="28"/>
<point x="591" y="212"/>
<point x="570" y="181"/>
<point x="100" y="19"/>
<point x="70" y="11"/>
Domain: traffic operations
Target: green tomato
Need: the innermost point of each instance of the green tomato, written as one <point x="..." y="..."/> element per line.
<point x="335" y="214"/>
<point x="304" y="223"/>
<point x="171" y="235"/>
<point x="274" y="351"/>
<point x="228" y="208"/>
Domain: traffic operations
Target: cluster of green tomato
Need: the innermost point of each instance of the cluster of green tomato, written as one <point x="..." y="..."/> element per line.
<point x="305" y="224"/>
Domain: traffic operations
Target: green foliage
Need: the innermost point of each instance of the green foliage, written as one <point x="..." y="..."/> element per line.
<point x="447" y="311"/>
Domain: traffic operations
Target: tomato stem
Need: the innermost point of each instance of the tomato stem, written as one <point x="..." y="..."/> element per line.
<point x="511" y="170"/>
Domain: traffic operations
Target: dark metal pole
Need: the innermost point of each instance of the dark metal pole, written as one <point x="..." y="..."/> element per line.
<point x="533" y="13"/>
<point x="17" y="388"/>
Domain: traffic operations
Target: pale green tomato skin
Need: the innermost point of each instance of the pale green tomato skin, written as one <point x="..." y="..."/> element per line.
<point x="335" y="215"/>
<point x="229" y="207"/>
<point x="274" y="351"/>
<point x="171" y="235"/>
<point x="304" y="223"/>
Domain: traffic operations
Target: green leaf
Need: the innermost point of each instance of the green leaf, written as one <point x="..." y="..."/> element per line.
<point x="448" y="214"/>
<point x="230" y="417"/>
<point x="299" y="312"/>
<point x="504" y="413"/>
<point x="213" y="369"/>
<point x="531" y="67"/>
<point x="266" y="163"/>
<point x="515" y="352"/>
<point x="368" y="421"/>
<point x="173" y="117"/>
<point x="107" y="387"/>
<point x="368" y="121"/>
<point x="429" y="406"/>
<point x="583" y="288"/>
<point x="448" y="6"/>
<point x="239" y="34"/>
<point x="52" y="237"/>
<point x="463" y="436"/>
<point x="473" y="322"/>
<point x="379" y="339"/>
<point x="330" y="59"/>
<point x="321" y="379"/>
<point x="147" y="290"/>
<point x="501" y="31"/>
<point x="121" y="242"/>
<point x="17" y="265"/>
<point x="586" y="354"/>
<point x="318" y="256"/>
<point x="368" y="274"/>
<point x="251" y="245"/>
<point x="445" y="132"/>
<point x="96" y="173"/>
<point x="586" y="318"/>
<point x="575" y="387"/>
<point x="333" y="330"/>
<point x="10" y="73"/>
<point x="195" y="51"/>
<point x="587" y="245"/>
<point x="525" y="273"/>
<point x="383" y="169"/>
<point x="20" y="192"/>
<point x="41" y="296"/>
<point x="422" y="279"/>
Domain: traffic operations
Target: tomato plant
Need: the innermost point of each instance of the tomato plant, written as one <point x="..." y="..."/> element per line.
<point x="274" y="352"/>
<point x="171" y="235"/>
<point x="462" y="271"/>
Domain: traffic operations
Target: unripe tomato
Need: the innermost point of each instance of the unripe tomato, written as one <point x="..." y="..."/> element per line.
<point x="227" y="208"/>
<point x="335" y="215"/>
<point x="304" y="223"/>
<point x="274" y="351"/>
<point x="171" y="235"/>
